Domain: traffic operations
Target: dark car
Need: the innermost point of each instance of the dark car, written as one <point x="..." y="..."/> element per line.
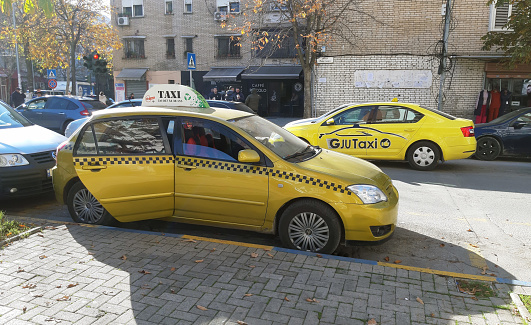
<point x="508" y="135"/>
<point x="230" y="105"/>
<point x="27" y="153"/>
<point x="56" y="112"/>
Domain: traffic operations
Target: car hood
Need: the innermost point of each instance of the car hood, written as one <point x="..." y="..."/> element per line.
<point x="351" y="169"/>
<point x="301" y="122"/>
<point x="29" y="139"/>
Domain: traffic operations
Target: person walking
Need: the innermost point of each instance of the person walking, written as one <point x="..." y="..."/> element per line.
<point x="253" y="101"/>
<point x="17" y="97"/>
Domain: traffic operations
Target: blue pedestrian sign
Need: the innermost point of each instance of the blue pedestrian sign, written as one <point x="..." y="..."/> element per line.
<point x="51" y="74"/>
<point x="191" y="61"/>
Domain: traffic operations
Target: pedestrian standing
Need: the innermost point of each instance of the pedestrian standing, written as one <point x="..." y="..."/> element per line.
<point x="229" y="95"/>
<point x="17" y="97"/>
<point x="132" y="96"/>
<point x="214" y="94"/>
<point x="239" y="96"/>
<point x="253" y="101"/>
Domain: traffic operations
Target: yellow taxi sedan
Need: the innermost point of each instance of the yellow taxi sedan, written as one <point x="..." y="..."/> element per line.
<point x="390" y="131"/>
<point x="181" y="160"/>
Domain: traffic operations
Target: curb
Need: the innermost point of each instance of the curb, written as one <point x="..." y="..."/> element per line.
<point x="521" y="308"/>
<point x="20" y="236"/>
<point x="293" y="251"/>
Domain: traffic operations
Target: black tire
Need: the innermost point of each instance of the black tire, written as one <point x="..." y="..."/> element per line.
<point x="423" y="155"/>
<point x="85" y="208"/>
<point x="65" y="125"/>
<point x="488" y="148"/>
<point x="300" y="221"/>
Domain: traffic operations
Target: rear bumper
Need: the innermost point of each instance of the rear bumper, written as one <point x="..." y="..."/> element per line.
<point x="461" y="149"/>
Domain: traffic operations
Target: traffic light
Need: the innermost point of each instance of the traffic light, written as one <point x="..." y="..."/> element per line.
<point x="89" y="60"/>
<point x="100" y="64"/>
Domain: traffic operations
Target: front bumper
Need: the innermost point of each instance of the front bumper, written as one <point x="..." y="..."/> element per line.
<point x="25" y="180"/>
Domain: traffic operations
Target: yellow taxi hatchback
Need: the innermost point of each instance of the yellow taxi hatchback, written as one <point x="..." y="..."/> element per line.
<point x="390" y="131"/>
<point x="190" y="163"/>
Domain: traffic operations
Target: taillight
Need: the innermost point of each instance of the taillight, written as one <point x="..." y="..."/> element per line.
<point x="468" y="131"/>
<point x="85" y="112"/>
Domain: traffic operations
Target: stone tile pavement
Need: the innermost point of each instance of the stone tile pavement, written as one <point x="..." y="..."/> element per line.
<point x="72" y="274"/>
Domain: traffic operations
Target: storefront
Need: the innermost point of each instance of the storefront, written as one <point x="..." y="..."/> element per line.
<point x="517" y="81"/>
<point x="135" y="81"/>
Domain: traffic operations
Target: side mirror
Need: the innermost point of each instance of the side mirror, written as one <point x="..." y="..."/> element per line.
<point x="248" y="156"/>
<point x="330" y="122"/>
<point x="518" y="124"/>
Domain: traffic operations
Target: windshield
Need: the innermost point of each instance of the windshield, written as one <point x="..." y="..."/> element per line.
<point x="9" y="118"/>
<point x="506" y="117"/>
<point x="280" y="141"/>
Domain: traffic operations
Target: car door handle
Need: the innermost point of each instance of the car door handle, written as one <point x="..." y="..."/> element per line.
<point x="61" y="113"/>
<point x="94" y="167"/>
<point x="38" y="113"/>
<point x="409" y="130"/>
<point x="184" y="166"/>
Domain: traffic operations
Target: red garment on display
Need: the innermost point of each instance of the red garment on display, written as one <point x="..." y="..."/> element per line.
<point x="495" y="104"/>
<point x="482" y="118"/>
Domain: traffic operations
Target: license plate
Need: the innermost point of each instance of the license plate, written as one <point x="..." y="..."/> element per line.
<point x="49" y="172"/>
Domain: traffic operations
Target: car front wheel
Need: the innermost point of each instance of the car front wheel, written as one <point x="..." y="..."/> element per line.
<point x="85" y="208"/>
<point x="423" y="155"/>
<point x="309" y="225"/>
<point x="488" y="148"/>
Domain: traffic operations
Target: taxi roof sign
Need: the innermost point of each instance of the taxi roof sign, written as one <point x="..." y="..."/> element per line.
<point x="173" y="96"/>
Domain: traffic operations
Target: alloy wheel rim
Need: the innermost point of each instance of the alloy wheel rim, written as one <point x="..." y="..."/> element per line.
<point x="87" y="207"/>
<point x="308" y="232"/>
<point x="424" y="156"/>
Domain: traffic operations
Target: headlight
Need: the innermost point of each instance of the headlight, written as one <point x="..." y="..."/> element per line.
<point x="369" y="194"/>
<point x="12" y="159"/>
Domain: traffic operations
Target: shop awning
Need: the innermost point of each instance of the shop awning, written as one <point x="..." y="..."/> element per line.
<point x="132" y="74"/>
<point x="223" y="74"/>
<point x="272" y="72"/>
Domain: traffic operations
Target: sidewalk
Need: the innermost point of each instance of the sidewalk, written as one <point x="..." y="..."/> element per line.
<point x="73" y="274"/>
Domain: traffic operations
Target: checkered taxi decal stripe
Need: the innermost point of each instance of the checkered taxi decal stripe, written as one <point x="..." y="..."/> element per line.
<point x="205" y="163"/>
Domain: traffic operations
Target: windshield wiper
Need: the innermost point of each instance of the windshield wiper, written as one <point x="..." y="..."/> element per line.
<point x="299" y="153"/>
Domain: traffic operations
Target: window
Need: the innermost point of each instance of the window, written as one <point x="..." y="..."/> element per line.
<point x="122" y="137"/>
<point x="209" y="140"/>
<point x="234" y="7"/>
<point x="396" y="114"/>
<point x="60" y="104"/>
<point x="499" y="16"/>
<point x="133" y="8"/>
<point x="187" y="6"/>
<point x="134" y="48"/>
<point x="276" y="47"/>
<point x="170" y="48"/>
<point x="354" y="115"/>
<point x="169" y="7"/>
<point x="229" y="47"/>
<point x="188" y="45"/>
<point x="37" y="104"/>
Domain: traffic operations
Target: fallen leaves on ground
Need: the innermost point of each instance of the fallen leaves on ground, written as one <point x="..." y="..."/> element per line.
<point x="124" y="257"/>
<point x="24" y="309"/>
<point x="267" y="249"/>
<point x="319" y="255"/>
<point x="470" y="230"/>
<point x="20" y="269"/>
<point x="248" y="294"/>
<point x="254" y="255"/>
<point x="172" y="269"/>
<point x="252" y="266"/>
<point x="40" y="235"/>
<point x="485" y="268"/>
<point x="372" y="321"/>
<point x="63" y="298"/>
<point x="442" y="245"/>
<point x="311" y="300"/>
<point x="420" y="301"/>
<point x="144" y="272"/>
<point x="397" y="261"/>
<point x="241" y="322"/>
<point x="475" y="246"/>
<point x="201" y="307"/>
<point x="474" y="298"/>
<point x="286" y="298"/>
<point x="50" y="227"/>
<point x="386" y="258"/>
<point x="43" y="256"/>
<point x="199" y="261"/>
<point x="213" y="250"/>
<point x="59" y="286"/>
<point x="29" y="286"/>
<point x="71" y="285"/>
<point x="270" y="255"/>
<point x="190" y="240"/>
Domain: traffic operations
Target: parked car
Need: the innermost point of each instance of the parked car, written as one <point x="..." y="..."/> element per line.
<point x="390" y="131"/>
<point x="27" y="154"/>
<point x="230" y="105"/>
<point x="192" y="163"/>
<point x="72" y="126"/>
<point x="56" y="112"/>
<point x="508" y="135"/>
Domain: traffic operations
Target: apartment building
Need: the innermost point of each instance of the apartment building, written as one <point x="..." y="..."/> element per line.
<point x="392" y="49"/>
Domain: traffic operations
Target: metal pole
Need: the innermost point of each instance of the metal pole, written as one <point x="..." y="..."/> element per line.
<point x="444" y="50"/>
<point x="16" y="44"/>
<point x="191" y="80"/>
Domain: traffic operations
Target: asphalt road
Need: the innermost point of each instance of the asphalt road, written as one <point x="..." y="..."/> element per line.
<point x="467" y="216"/>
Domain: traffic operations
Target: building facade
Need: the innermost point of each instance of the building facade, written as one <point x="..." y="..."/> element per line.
<point x="389" y="50"/>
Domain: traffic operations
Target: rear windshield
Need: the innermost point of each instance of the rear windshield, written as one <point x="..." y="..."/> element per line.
<point x="93" y="104"/>
<point x="443" y="114"/>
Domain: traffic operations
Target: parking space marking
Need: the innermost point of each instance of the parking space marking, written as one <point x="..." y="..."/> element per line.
<point x="438" y="272"/>
<point x="228" y="242"/>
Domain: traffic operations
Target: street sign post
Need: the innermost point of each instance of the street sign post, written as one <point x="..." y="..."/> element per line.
<point x="191" y="66"/>
<point x="51" y="74"/>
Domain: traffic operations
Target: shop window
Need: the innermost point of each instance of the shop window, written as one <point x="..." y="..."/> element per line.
<point x="228" y="47"/>
<point x="188" y="6"/>
<point x="134" y="48"/>
<point x="170" y="48"/>
<point x="499" y="16"/>
<point x="133" y="8"/>
<point x="169" y="7"/>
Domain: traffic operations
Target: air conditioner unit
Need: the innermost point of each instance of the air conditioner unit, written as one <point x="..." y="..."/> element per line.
<point x="220" y="16"/>
<point x="123" y="21"/>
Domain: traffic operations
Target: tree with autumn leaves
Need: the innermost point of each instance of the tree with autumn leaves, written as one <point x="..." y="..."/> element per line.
<point x="515" y="42"/>
<point x="302" y="26"/>
<point x="60" y="38"/>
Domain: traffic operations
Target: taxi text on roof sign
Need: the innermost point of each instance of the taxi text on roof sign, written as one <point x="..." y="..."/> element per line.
<point x="174" y="95"/>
